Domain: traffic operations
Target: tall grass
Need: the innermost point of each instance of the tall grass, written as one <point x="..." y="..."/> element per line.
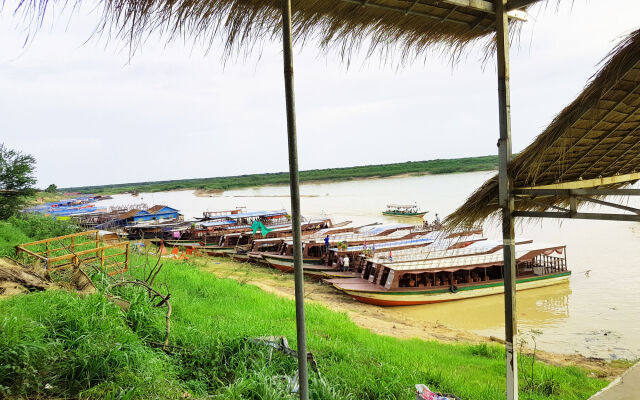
<point x="26" y="228"/>
<point x="56" y="344"/>
<point x="469" y="164"/>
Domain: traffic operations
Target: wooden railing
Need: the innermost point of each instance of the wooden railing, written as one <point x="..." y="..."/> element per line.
<point x="71" y="250"/>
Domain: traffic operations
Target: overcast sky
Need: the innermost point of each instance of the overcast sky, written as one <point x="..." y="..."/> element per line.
<point x="90" y="116"/>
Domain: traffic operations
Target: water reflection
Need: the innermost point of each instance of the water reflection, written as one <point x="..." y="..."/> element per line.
<point x="538" y="307"/>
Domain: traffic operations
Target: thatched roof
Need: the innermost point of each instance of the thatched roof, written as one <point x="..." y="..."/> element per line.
<point x="402" y="28"/>
<point x="597" y="136"/>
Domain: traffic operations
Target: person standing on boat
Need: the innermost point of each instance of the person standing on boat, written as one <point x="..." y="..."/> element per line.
<point x="345" y="262"/>
<point x="436" y="222"/>
<point x="341" y="263"/>
<point x="326" y="243"/>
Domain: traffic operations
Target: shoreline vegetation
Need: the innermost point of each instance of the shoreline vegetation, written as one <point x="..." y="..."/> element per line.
<point x="58" y="344"/>
<point x="219" y="184"/>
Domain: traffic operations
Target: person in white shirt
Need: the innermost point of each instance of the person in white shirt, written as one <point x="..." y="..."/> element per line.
<point x="345" y="263"/>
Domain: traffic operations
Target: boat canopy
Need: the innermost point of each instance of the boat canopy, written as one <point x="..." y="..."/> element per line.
<point x="375" y="230"/>
<point x="386" y="245"/>
<point x="402" y="205"/>
<point x="524" y="252"/>
<point x="255" y="214"/>
<point x="217" y="223"/>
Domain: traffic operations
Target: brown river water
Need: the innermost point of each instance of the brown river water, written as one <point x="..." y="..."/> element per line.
<point x="597" y="314"/>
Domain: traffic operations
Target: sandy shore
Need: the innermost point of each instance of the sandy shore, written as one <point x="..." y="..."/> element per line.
<point x="382" y="320"/>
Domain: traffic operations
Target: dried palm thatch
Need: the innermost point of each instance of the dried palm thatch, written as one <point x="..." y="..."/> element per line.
<point x="596" y="136"/>
<point x="402" y="29"/>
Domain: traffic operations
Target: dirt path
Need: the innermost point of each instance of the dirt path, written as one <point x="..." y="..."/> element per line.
<point x="381" y="320"/>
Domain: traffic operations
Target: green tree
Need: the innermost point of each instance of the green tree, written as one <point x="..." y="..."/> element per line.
<point x="51" y="188"/>
<point x="16" y="180"/>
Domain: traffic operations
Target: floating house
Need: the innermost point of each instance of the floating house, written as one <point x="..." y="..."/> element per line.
<point x="157" y="213"/>
<point x="135" y="216"/>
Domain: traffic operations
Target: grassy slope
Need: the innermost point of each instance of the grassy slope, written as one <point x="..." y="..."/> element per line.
<point x="89" y="347"/>
<point x="356" y="360"/>
<point x="483" y="163"/>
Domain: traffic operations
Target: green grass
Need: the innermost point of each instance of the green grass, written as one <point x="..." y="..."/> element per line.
<point x="447" y="166"/>
<point x="28" y="228"/>
<point x="56" y="344"/>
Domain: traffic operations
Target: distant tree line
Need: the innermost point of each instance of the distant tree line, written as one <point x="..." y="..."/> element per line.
<point x="440" y="166"/>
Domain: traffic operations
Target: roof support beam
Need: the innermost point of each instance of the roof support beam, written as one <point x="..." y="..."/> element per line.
<point x="630" y="134"/>
<point x="517" y="4"/>
<point x="480" y="5"/>
<point x="577" y="192"/>
<point x="486" y="7"/>
<point x="591" y="216"/>
<point x="591" y="183"/>
<point x="476" y="5"/>
<point x="609" y="204"/>
<point x="602" y="138"/>
<point x="406" y="11"/>
<point x="559" y="163"/>
<point x="574" y="196"/>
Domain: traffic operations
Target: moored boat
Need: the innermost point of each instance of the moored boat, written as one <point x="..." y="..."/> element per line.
<point x="403" y="210"/>
<point x="455" y="278"/>
<point x="284" y="263"/>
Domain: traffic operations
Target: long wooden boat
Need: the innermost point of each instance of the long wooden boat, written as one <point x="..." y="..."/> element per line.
<point x="315" y="271"/>
<point x="257" y="258"/>
<point x="220" y="251"/>
<point x="284" y="263"/>
<point x="240" y="257"/>
<point x="182" y="243"/>
<point x="337" y="274"/>
<point x="455" y="278"/>
<point x="403" y="210"/>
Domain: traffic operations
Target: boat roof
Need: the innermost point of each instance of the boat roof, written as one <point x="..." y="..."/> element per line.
<point x="386" y="245"/>
<point x="402" y="205"/>
<point x="257" y="214"/>
<point x="218" y="222"/>
<point x="524" y="252"/>
<point x="376" y="230"/>
<point x="265" y="240"/>
<point x="440" y="248"/>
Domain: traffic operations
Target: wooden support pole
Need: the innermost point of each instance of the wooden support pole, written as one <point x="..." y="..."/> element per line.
<point x="506" y="197"/>
<point x="301" y="332"/>
<point x="126" y="257"/>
